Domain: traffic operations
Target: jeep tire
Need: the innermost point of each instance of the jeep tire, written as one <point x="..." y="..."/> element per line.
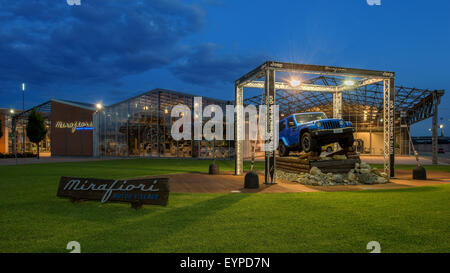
<point x="347" y="142"/>
<point x="282" y="149"/>
<point x="309" y="144"/>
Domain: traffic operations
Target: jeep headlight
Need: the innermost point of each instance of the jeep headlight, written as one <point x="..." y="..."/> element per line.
<point x="341" y="122"/>
<point x="319" y="124"/>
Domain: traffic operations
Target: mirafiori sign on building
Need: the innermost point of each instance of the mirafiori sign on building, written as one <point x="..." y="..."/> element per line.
<point x="149" y="191"/>
<point x="75" y="125"/>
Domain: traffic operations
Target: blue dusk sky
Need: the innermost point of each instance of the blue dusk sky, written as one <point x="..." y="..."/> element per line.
<point x="109" y="50"/>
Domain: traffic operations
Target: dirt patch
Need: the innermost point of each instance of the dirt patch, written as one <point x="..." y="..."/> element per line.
<point x="227" y="182"/>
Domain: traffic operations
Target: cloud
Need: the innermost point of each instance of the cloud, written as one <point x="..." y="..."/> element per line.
<point x="214" y="3"/>
<point x="64" y="51"/>
<point x="48" y="42"/>
<point x="203" y="66"/>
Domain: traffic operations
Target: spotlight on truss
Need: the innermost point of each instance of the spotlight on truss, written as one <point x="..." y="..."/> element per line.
<point x="349" y="82"/>
<point x="294" y="82"/>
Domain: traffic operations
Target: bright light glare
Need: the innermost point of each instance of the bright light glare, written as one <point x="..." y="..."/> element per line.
<point x="11" y="111"/>
<point x="349" y="82"/>
<point x="294" y="83"/>
<point x="441" y="126"/>
<point x="99" y="106"/>
<point x="23" y="86"/>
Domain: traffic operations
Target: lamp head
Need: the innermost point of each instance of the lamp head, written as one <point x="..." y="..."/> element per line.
<point x="349" y="82"/>
<point x="294" y="82"/>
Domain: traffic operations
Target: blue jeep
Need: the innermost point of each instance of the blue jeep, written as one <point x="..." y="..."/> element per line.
<point x="308" y="132"/>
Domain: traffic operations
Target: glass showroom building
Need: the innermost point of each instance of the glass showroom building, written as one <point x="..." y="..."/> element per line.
<point x="141" y="127"/>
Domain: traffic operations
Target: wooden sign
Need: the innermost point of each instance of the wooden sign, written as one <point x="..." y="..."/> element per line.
<point x="149" y="191"/>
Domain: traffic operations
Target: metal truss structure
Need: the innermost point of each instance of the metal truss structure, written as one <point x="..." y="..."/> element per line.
<point x="44" y="108"/>
<point x="326" y="89"/>
<point x="363" y="104"/>
<point x="418" y="104"/>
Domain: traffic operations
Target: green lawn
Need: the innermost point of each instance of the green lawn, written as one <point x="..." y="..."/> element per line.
<point x="33" y="219"/>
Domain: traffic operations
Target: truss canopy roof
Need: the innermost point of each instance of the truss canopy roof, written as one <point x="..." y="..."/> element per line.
<point x="362" y="102"/>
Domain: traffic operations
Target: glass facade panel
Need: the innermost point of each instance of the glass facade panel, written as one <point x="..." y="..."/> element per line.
<point x="141" y="127"/>
<point x="44" y="145"/>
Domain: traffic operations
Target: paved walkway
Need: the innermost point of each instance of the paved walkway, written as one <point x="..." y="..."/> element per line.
<point x="400" y="159"/>
<point x="442" y="158"/>
<point x="226" y="182"/>
<point x="371" y="159"/>
<point x="47" y="159"/>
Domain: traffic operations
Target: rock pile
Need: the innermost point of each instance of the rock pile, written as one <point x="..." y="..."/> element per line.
<point x="361" y="174"/>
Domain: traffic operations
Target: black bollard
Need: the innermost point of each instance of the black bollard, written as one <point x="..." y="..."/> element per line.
<point x="419" y="173"/>
<point x="213" y="169"/>
<point x="251" y="180"/>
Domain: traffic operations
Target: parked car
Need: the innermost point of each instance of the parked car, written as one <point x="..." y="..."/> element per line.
<point x="308" y="132"/>
<point x="441" y="151"/>
<point x="328" y="148"/>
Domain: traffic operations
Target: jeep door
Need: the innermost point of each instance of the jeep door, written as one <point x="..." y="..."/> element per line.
<point x="291" y="131"/>
<point x="282" y="132"/>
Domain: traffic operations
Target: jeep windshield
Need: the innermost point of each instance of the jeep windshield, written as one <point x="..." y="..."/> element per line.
<point x="302" y="118"/>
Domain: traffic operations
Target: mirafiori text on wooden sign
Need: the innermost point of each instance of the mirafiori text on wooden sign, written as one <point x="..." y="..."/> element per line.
<point x="150" y="191"/>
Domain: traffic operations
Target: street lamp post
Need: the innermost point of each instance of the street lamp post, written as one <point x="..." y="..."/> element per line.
<point x="99" y="107"/>
<point x="13" y="134"/>
<point x="23" y="121"/>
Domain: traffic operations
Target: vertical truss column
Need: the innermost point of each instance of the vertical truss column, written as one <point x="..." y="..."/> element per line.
<point x="337" y="105"/>
<point x="337" y="110"/>
<point x="388" y="124"/>
<point x="434" y="138"/>
<point x="269" y="91"/>
<point x="238" y="130"/>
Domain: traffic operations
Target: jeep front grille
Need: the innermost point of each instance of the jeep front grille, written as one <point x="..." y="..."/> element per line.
<point x="331" y="124"/>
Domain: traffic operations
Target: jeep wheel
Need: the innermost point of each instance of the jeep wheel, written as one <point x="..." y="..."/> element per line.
<point x="347" y="142"/>
<point x="282" y="149"/>
<point x="309" y="144"/>
<point x="329" y="149"/>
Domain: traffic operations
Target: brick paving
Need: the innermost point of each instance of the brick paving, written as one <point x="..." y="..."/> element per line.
<point x="229" y="183"/>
